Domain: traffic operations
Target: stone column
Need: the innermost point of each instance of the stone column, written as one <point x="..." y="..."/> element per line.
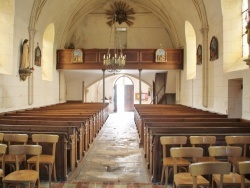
<point x="62" y="87"/>
<point x="83" y="92"/>
<point x="205" y="51"/>
<point x="140" y="86"/>
<point x="178" y="87"/>
<point x="103" y="80"/>
<point x="32" y="32"/>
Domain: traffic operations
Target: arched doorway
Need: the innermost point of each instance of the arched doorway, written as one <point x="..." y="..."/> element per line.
<point x="123" y="94"/>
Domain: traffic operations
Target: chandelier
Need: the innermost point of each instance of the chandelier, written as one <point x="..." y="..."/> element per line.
<point x="114" y="60"/>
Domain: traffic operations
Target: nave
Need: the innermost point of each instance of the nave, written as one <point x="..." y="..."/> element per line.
<point x="115" y="158"/>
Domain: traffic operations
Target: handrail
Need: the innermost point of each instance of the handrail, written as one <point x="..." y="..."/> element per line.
<point x="158" y="92"/>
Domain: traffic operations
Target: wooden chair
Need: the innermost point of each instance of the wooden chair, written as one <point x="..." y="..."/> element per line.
<point x="198" y="141"/>
<point x="241" y="141"/>
<point x="47" y="160"/>
<point x="244" y="168"/>
<point x="190" y="154"/>
<point x="197" y="170"/>
<point x="23" y="176"/>
<point x="232" y="179"/>
<point x="1" y="137"/>
<point x="2" y="154"/>
<point x="11" y="139"/>
<point x="168" y="162"/>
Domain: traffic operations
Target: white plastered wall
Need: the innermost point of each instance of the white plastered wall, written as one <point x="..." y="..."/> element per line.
<point x="13" y="91"/>
<point x="191" y="91"/>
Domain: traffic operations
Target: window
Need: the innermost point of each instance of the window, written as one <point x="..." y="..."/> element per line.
<point x="7" y="14"/>
<point x="191" y="50"/>
<point x="124" y="80"/>
<point x="47" y="57"/>
<point x="234" y="47"/>
<point x="245" y="18"/>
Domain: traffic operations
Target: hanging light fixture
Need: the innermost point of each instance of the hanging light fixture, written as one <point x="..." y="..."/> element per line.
<point x="115" y="60"/>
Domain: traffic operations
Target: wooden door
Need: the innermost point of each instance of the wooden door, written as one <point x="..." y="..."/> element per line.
<point x="128" y="97"/>
<point x="115" y="98"/>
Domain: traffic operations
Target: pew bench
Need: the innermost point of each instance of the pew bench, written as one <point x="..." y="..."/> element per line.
<point x="155" y="148"/>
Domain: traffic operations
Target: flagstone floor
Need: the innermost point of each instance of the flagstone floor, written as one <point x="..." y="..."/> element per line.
<point x="115" y="159"/>
<point x="115" y="155"/>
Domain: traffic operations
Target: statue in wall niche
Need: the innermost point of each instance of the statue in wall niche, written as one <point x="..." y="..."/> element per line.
<point x="248" y="32"/>
<point x="25" y="55"/>
<point x="24" y="69"/>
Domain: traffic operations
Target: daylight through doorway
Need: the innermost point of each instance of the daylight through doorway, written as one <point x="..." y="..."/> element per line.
<point x="120" y="98"/>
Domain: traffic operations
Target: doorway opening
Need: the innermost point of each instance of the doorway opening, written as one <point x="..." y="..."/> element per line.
<point x="124" y="94"/>
<point x="120" y="98"/>
<point x="235" y="90"/>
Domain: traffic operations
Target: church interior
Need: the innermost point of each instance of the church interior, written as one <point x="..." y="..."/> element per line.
<point x="114" y="80"/>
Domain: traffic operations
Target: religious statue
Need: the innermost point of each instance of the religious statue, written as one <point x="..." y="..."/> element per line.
<point x="25" y="69"/>
<point x="25" y="55"/>
<point x="248" y="31"/>
<point x="248" y="28"/>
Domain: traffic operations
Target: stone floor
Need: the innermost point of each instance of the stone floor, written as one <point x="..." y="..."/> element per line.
<point x="105" y="185"/>
<point x="115" y="155"/>
<point x="115" y="159"/>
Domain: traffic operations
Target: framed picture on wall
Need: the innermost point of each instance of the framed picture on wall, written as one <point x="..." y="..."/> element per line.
<point x="38" y="56"/>
<point x="214" y="49"/>
<point x="160" y="55"/>
<point x="199" y="55"/>
<point x="144" y="96"/>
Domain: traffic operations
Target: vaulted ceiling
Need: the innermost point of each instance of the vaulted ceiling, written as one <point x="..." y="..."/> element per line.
<point x="68" y="14"/>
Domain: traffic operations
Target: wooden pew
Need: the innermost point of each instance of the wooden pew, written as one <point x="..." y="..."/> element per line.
<point x="155" y="148"/>
<point x="161" y="122"/>
<point x="202" y="125"/>
<point x="65" y="158"/>
<point x="168" y="111"/>
<point x="75" y="121"/>
<point x="82" y="129"/>
<point x="139" y="118"/>
<point x="85" y="122"/>
<point x="158" y="120"/>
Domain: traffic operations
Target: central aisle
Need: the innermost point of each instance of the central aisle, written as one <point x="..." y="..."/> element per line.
<point x="115" y="155"/>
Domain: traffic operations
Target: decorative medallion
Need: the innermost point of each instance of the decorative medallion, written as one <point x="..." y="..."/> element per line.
<point x="77" y="56"/>
<point x="122" y="12"/>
